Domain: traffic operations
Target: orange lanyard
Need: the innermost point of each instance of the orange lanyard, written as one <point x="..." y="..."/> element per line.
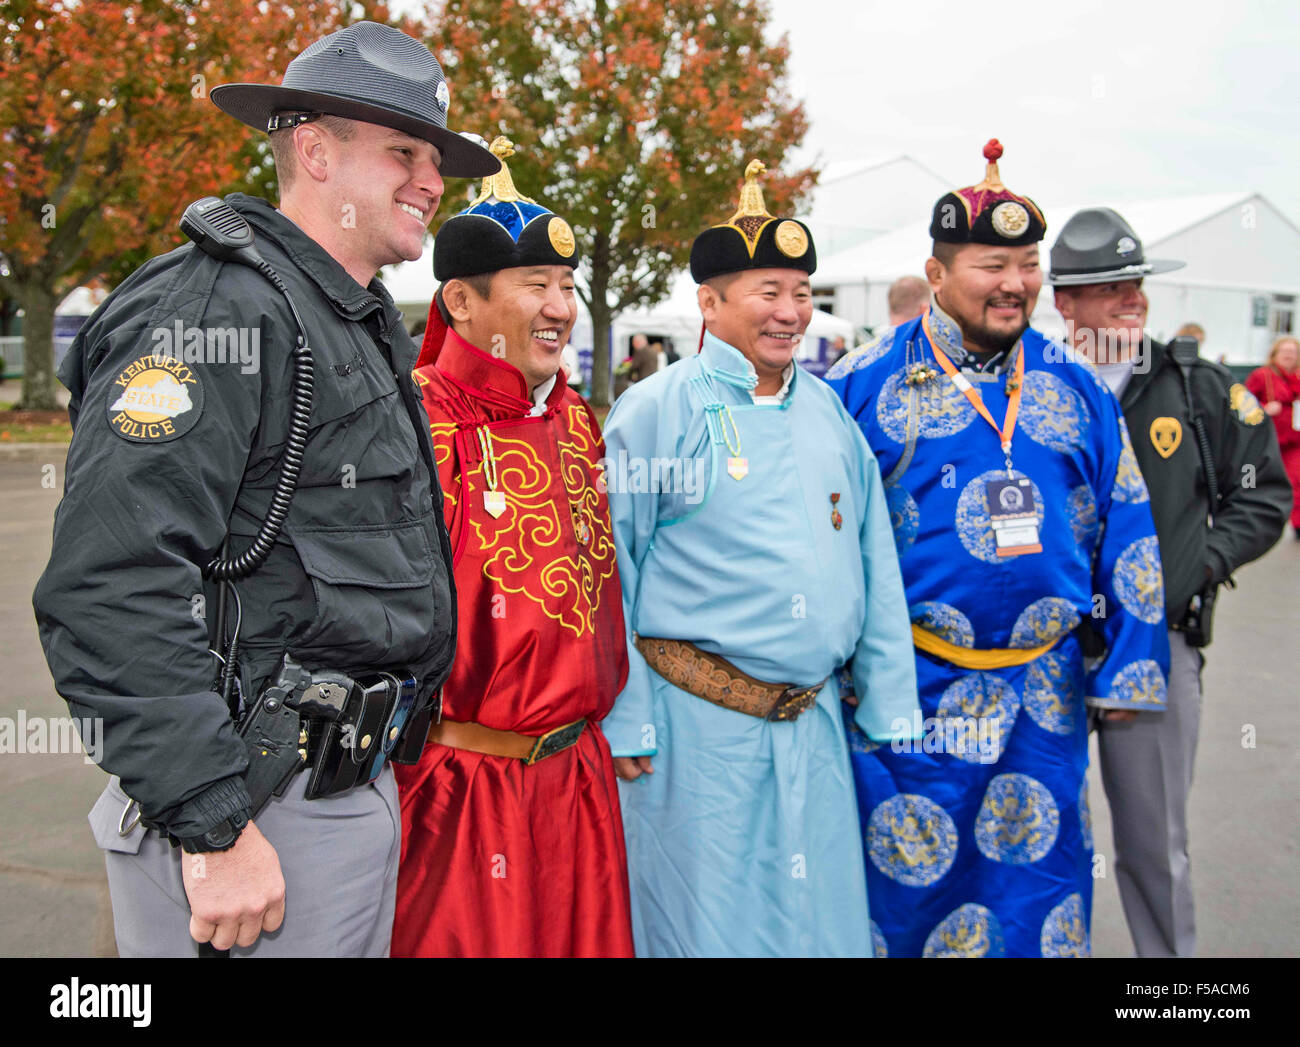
<point x="1005" y="430"/>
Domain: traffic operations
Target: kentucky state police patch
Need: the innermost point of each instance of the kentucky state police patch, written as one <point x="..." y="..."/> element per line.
<point x="156" y="399"/>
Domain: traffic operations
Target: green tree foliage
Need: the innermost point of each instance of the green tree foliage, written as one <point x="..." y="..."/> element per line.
<point x="108" y="132"/>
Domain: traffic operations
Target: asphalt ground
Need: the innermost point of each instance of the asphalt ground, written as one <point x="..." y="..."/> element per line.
<point x="1245" y="819"/>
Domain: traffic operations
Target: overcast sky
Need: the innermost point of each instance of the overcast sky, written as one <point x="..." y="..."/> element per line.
<point x="1099" y="100"/>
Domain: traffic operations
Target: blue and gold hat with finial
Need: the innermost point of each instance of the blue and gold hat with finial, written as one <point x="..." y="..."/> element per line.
<point x="501" y="229"/>
<point x="752" y="238"/>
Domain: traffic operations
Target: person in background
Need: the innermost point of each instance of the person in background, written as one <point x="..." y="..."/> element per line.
<point x="1277" y="386"/>
<point x="645" y="358"/>
<point x="661" y="357"/>
<point x="1191" y="331"/>
<point x="1146" y="757"/>
<point x="908" y="298"/>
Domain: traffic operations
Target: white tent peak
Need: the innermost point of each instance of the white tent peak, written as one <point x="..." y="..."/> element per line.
<point x="839" y="170"/>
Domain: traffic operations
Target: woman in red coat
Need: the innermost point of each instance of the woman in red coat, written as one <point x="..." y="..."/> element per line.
<point x="1277" y="387"/>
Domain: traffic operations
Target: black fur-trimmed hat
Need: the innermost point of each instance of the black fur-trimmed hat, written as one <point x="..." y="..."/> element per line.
<point x="501" y="229"/>
<point x="987" y="213"/>
<point x="752" y="238"/>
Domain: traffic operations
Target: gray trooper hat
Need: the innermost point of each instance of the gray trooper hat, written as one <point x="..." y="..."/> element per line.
<point x="1097" y="246"/>
<point x="368" y="72"/>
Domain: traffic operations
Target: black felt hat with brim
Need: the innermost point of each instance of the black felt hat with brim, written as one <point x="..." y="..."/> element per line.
<point x="1097" y="246"/>
<point x="367" y="72"/>
<point x="752" y="239"/>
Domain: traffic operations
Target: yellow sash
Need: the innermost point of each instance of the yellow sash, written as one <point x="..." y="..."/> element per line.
<point x="968" y="658"/>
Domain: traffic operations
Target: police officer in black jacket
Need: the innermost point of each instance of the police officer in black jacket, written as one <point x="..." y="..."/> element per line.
<point x="183" y="385"/>
<point x="1207" y="526"/>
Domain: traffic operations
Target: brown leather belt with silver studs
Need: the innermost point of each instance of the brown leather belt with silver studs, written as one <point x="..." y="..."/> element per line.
<point x="716" y="680"/>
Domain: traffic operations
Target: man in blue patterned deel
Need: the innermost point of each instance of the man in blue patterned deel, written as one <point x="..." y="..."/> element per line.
<point x="1025" y="537"/>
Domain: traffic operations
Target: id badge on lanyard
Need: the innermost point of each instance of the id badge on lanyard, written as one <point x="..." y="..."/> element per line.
<point x="1014" y="516"/>
<point x="1012" y="511"/>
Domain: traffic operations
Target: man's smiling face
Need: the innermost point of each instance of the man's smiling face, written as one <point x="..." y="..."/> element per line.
<point x="526" y="319"/>
<point x="392" y="183"/>
<point x="1105" y="320"/>
<point x="989" y="290"/>
<point x="761" y="312"/>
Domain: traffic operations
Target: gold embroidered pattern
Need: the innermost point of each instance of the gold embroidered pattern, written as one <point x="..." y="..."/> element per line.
<point x="525" y="548"/>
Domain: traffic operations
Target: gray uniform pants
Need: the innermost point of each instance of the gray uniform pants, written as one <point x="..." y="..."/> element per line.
<point x="1146" y="768"/>
<point x="338" y="857"/>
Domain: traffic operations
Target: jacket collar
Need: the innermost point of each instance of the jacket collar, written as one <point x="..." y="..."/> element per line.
<point x="487" y="378"/>
<point x="1142" y="379"/>
<point x="346" y="295"/>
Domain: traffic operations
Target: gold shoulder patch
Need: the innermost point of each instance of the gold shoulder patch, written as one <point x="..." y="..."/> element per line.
<point x="155" y="399"/>
<point x="1243" y="403"/>
<point x="1166" y="435"/>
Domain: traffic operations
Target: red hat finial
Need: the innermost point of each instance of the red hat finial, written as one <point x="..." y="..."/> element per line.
<point x="992" y="179"/>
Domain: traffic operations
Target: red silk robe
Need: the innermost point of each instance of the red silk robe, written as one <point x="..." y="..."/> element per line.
<point x="499" y="858"/>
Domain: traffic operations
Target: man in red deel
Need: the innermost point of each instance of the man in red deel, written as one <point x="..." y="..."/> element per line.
<point x="512" y="836"/>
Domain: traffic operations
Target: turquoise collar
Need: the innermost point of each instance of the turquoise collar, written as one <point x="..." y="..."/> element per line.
<point x="728" y="364"/>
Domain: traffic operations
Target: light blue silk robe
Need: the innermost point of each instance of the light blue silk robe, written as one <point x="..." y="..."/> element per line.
<point x="744" y="840"/>
<point x="982" y="845"/>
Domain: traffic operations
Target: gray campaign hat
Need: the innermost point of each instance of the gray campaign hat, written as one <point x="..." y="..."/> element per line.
<point x="1097" y="246"/>
<point x="366" y="72"/>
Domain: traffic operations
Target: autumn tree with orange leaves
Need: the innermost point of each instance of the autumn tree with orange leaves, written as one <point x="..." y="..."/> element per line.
<point x="106" y="133"/>
<point x="632" y="118"/>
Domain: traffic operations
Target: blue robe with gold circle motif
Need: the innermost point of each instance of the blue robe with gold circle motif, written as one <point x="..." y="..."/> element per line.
<point x="977" y="838"/>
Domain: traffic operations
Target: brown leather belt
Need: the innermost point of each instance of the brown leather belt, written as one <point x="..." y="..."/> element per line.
<point x="479" y="739"/>
<point x="716" y="680"/>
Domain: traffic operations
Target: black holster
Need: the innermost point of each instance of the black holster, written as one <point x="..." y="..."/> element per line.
<point x="1198" y="620"/>
<point x="346" y="728"/>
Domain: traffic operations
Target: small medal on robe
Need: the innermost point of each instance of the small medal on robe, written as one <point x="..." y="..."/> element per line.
<point x="581" y="529"/>
<point x="737" y="468"/>
<point x="494" y="502"/>
<point x="837" y="521"/>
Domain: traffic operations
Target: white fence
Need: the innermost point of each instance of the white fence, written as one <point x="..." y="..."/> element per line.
<point x="11" y="352"/>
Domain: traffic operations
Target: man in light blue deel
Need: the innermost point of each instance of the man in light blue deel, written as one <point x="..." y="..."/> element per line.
<point x="756" y="559"/>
